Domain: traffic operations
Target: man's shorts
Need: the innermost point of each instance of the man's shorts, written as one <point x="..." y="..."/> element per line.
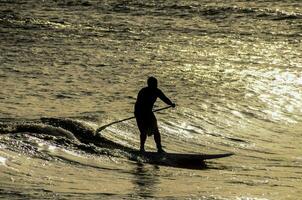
<point x="147" y="123"/>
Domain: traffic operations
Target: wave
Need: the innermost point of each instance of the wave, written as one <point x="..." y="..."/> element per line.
<point x="75" y="3"/>
<point x="36" y="128"/>
<point x="81" y="131"/>
<point x="17" y="20"/>
<point x="63" y="127"/>
<point x="12" y="19"/>
<point x="80" y="135"/>
<point x="250" y="12"/>
<point x="190" y="10"/>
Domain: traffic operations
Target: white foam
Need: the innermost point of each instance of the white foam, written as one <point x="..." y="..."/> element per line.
<point x="2" y="146"/>
<point x="3" y="160"/>
<point x="299" y="158"/>
<point x="51" y="147"/>
<point x="250" y="198"/>
<point x="72" y="153"/>
<point x="91" y="124"/>
<point x="237" y="114"/>
<point x="46" y="147"/>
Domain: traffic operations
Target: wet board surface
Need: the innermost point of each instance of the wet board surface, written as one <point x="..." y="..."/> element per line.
<point x="180" y="160"/>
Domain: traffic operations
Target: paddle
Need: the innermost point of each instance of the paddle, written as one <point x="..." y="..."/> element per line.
<point x="122" y="120"/>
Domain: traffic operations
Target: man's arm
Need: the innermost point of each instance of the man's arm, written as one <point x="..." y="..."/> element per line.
<point x="165" y="99"/>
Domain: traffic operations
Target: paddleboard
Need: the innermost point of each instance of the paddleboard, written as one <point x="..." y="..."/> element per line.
<point x="180" y="160"/>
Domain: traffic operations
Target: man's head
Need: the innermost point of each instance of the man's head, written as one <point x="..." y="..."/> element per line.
<point x="152" y="82"/>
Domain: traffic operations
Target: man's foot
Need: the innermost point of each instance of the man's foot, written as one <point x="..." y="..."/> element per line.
<point x="160" y="151"/>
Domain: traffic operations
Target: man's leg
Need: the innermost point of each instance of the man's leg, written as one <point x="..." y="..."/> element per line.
<point x="158" y="141"/>
<point x="143" y="138"/>
<point x="156" y="133"/>
<point x="143" y="134"/>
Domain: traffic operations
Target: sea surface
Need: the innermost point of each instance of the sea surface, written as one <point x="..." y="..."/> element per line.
<point x="234" y="69"/>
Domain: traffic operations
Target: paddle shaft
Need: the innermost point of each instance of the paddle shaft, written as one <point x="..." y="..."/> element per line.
<point x="122" y="120"/>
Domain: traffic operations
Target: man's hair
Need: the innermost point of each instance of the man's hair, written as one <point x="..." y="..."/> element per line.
<point x="152" y="81"/>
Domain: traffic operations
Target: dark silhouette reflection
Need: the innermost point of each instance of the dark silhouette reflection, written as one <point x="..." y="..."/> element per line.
<point x="145" y="180"/>
<point x="145" y="118"/>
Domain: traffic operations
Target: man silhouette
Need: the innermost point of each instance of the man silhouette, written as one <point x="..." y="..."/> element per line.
<point x="145" y="118"/>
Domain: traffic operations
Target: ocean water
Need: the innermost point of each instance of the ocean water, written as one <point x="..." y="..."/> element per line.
<point x="234" y="69"/>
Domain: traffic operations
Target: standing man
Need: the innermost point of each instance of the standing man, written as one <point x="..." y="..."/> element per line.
<point x="145" y="118"/>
